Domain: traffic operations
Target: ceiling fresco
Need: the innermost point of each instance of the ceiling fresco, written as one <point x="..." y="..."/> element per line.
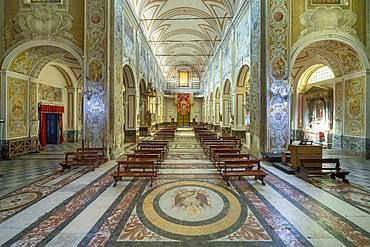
<point x="185" y="33"/>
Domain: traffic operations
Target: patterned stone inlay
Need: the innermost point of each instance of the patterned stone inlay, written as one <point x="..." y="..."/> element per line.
<point x="191" y="210"/>
<point x="18" y="200"/>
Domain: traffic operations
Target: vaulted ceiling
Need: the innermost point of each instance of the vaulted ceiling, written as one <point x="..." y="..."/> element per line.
<point x="185" y="33"/>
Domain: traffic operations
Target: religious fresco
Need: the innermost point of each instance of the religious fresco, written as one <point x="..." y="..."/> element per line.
<point x="354" y="124"/>
<point x="17" y="107"/>
<point x="49" y="93"/>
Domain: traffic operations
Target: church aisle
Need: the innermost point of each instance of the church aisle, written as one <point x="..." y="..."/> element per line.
<point x="188" y="204"/>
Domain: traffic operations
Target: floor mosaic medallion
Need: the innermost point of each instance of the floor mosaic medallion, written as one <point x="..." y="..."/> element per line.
<point x="191" y="210"/>
<point x="18" y="200"/>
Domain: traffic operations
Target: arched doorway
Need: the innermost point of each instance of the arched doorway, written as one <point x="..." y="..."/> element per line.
<point x="327" y="109"/>
<point x="130" y="111"/>
<point x="44" y="100"/>
<point x="243" y="103"/>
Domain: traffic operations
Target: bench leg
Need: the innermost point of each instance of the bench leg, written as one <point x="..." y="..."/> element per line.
<point x="260" y="177"/>
<point x="116" y="179"/>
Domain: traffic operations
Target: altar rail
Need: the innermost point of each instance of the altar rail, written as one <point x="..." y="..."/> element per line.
<point x="22" y="146"/>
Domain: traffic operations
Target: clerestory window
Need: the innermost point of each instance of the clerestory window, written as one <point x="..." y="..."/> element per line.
<point x="42" y="1"/>
<point x="329" y="2"/>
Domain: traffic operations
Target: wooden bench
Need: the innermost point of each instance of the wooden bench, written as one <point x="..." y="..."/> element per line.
<point x="160" y="153"/>
<point x="134" y="168"/>
<point x="244" y="168"/>
<point x="145" y="157"/>
<point x="325" y="166"/>
<point x="165" y="135"/>
<point x="101" y="153"/>
<point x="80" y="159"/>
<point x="210" y="149"/>
<point x="217" y="152"/>
<point x="222" y="157"/>
<point x="151" y="142"/>
<point x="152" y="146"/>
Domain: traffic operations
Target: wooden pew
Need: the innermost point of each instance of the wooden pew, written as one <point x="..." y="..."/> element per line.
<point x="101" y="153"/>
<point x="164" y="135"/>
<point x="134" y="168"/>
<point x="152" y="146"/>
<point x="241" y="168"/>
<point x="210" y="149"/>
<point x="316" y="167"/>
<point x="217" y="152"/>
<point x="150" y="142"/>
<point x="160" y="153"/>
<point x="145" y="157"/>
<point x="222" y="157"/>
<point x="207" y="144"/>
<point x="80" y="159"/>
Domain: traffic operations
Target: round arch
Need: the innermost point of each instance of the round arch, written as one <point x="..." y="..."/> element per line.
<point x="347" y="59"/>
<point x="52" y="70"/>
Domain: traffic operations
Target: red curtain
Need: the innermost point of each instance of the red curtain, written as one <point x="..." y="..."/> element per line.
<point x="43" y="110"/>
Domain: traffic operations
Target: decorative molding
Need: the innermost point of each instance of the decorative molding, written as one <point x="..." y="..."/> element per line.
<point x="328" y="18"/>
<point x="43" y="22"/>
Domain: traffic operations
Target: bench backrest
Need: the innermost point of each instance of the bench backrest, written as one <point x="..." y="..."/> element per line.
<point x="242" y="163"/>
<point x="317" y="163"/>
<point x="150" y="157"/>
<point x="101" y="151"/>
<point x="231" y="156"/>
<point x="136" y="164"/>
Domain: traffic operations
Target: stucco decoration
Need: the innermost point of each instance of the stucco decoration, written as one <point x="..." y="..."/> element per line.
<point x="255" y="103"/>
<point x="355" y="107"/>
<point x="226" y="60"/>
<point x="324" y="18"/>
<point x="117" y="103"/>
<point x="338" y="51"/>
<point x="243" y="40"/>
<point x="338" y="108"/>
<point x="43" y="22"/>
<point x="33" y="109"/>
<point x="96" y="118"/>
<point x="143" y="62"/>
<point x="95" y="84"/>
<point x="128" y="39"/>
<point x="278" y="122"/>
<point x="32" y="60"/>
<point x="17" y="107"/>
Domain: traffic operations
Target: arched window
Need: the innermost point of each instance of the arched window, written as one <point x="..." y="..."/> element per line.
<point x="321" y="74"/>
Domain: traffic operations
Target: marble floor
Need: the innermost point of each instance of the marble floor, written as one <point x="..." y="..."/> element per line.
<point x="187" y="205"/>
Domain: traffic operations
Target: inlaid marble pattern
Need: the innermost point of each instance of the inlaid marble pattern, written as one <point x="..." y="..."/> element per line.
<point x="188" y="204"/>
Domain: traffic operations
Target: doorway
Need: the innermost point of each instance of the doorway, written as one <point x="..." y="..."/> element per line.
<point x="183" y="119"/>
<point x="52" y="128"/>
